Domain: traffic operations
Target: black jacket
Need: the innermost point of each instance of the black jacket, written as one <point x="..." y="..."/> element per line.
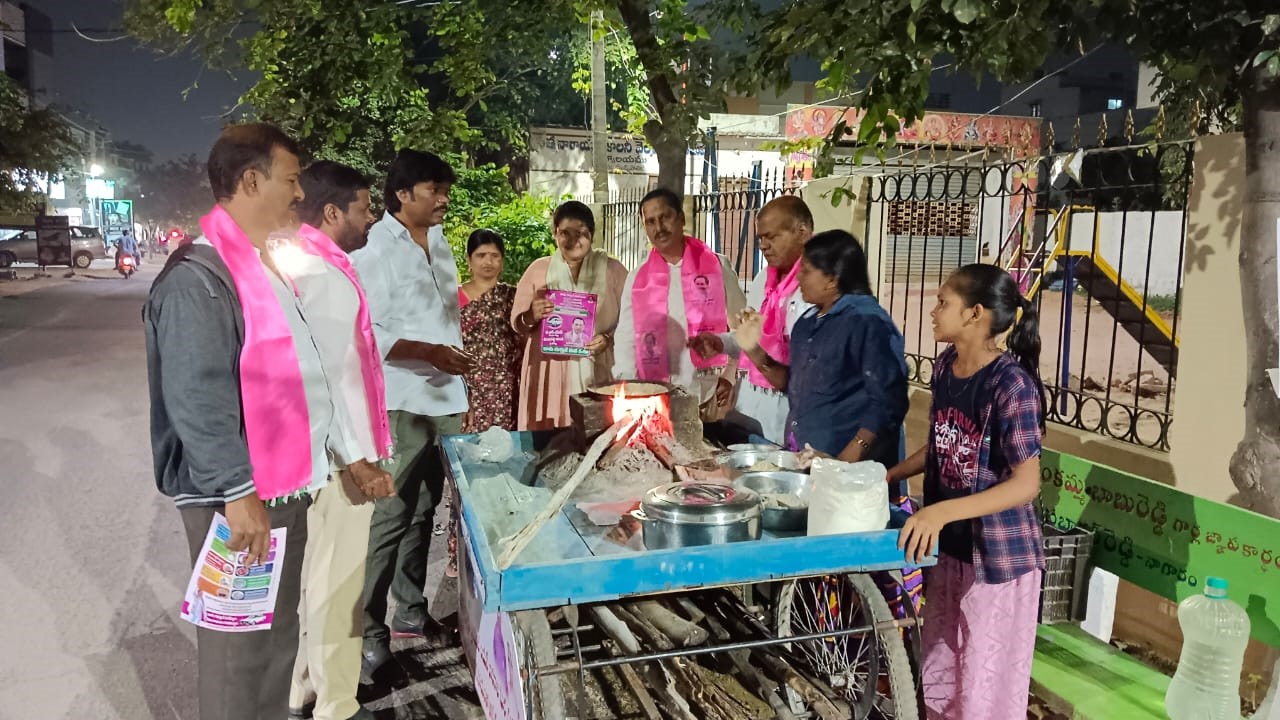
<point x="195" y="331"/>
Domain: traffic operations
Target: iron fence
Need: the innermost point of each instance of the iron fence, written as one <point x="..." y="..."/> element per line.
<point x="724" y="218"/>
<point x="1095" y="240"/>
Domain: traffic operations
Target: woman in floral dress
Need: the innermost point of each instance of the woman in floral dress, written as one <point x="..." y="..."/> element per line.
<point x="488" y="336"/>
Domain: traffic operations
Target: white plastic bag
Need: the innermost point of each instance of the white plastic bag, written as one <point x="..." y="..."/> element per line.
<point x="847" y="497"/>
<point x="495" y="445"/>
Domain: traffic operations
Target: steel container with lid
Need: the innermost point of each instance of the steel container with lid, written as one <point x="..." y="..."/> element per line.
<point x="698" y="513"/>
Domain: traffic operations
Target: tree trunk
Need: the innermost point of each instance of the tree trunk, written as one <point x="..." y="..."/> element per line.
<point x="662" y="131"/>
<point x="671" y="150"/>
<point x="1255" y="462"/>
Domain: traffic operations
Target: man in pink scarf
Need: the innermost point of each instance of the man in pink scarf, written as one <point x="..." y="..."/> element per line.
<point x="336" y="218"/>
<point x="784" y="225"/>
<point x="243" y="419"/>
<point x="682" y="289"/>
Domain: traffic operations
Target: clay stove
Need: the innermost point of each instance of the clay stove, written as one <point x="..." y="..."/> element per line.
<point x="593" y="414"/>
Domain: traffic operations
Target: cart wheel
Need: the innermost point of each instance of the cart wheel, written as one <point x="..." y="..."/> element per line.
<point x="873" y="675"/>
<point x="545" y="698"/>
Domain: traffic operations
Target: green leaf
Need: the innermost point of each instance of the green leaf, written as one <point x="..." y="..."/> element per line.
<point x="1264" y="57"/>
<point x="966" y="11"/>
<point x="1270" y="24"/>
<point x="911" y="30"/>
<point x="916" y="5"/>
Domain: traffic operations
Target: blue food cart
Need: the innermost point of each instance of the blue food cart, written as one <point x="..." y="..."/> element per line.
<point x="532" y="631"/>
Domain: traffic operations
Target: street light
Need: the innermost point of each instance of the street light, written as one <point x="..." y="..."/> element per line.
<point x="96" y="169"/>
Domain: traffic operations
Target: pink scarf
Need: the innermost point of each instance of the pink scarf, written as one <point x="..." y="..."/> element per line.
<point x="774" y="340"/>
<point x="705" y="311"/>
<point x="276" y="423"/>
<point x="317" y="243"/>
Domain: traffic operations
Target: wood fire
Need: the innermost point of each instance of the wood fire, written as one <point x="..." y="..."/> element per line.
<point x="637" y="407"/>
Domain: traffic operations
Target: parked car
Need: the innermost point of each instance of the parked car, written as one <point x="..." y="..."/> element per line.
<point x="18" y="245"/>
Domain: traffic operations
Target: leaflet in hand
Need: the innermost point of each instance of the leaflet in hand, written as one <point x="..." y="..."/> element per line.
<point x="227" y="594"/>
<point x="569" y="328"/>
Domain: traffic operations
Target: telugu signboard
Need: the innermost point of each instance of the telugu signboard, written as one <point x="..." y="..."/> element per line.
<point x="569" y="150"/>
<point x="1165" y="540"/>
<point x="53" y="240"/>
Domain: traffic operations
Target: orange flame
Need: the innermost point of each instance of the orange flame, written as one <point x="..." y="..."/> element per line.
<point x="637" y="408"/>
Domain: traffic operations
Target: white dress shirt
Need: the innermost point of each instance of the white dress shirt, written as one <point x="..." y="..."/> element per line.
<point x="700" y="384"/>
<point x="766" y="406"/>
<point x="331" y="305"/>
<point x="413" y="297"/>
<point x="315" y="383"/>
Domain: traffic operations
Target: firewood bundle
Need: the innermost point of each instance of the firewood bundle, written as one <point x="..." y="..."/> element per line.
<point x="748" y="683"/>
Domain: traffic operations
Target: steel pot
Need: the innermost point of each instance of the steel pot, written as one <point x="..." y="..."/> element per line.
<point x="698" y="513"/>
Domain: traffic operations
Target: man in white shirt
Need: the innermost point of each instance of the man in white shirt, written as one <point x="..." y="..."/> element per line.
<point x="411" y="281"/>
<point x="784" y="225"/>
<point x="327" y="672"/>
<point x="666" y="325"/>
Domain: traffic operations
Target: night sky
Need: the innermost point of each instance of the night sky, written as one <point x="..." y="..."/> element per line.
<point x="133" y="92"/>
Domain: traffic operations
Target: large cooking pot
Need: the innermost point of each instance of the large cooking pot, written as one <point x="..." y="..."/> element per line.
<point x="698" y="513"/>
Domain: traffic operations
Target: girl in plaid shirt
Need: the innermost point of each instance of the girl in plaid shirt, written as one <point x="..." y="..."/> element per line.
<point x="982" y="472"/>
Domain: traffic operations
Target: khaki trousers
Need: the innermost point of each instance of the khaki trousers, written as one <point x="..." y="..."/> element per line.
<point x="331" y="614"/>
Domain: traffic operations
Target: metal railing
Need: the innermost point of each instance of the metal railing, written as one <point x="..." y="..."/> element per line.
<point x="725" y="219"/>
<point x="1100" y="252"/>
<point x="1101" y="257"/>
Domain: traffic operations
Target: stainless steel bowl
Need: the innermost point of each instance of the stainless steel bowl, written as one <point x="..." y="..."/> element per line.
<point x="750" y="447"/>
<point x="783" y="482"/>
<point x="742" y="461"/>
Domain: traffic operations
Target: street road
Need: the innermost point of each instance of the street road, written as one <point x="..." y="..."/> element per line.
<point x="93" y="561"/>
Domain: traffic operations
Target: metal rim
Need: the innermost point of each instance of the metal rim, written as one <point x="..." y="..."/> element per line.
<point x="610" y="390"/>
<point x="879" y="659"/>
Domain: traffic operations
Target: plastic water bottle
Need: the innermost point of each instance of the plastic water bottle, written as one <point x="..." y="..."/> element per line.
<point x="1215" y="632"/>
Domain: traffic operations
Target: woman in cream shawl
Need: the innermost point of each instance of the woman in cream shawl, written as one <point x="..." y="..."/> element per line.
<point x="547" y="381"/>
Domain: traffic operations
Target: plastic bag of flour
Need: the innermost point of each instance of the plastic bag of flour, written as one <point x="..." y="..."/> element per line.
<point x="847" y="497"/>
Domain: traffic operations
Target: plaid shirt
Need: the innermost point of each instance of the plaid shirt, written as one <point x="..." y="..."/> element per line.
<point x="1006" y="544"/>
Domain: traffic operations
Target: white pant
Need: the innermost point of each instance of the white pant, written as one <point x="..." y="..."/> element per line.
<point x="331" y="613"/>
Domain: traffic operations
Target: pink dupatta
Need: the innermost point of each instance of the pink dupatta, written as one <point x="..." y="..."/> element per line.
<point x="777" y="290"/>
<point x="277" y="426"/>
<point x="704" y="310"/>
<point x="317" y="243"/>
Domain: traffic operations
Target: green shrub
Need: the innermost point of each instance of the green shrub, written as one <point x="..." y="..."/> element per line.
<point x="483" y="198"/>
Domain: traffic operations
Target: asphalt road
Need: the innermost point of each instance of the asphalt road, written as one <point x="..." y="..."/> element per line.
<point x="93" y="561"/>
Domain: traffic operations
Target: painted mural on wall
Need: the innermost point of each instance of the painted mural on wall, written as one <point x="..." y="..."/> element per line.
<point x="958" y="130"/>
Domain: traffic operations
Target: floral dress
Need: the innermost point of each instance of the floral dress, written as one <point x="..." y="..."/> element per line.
<point x="487" y="334"/>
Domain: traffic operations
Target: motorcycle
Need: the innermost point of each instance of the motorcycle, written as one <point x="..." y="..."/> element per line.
<point x="126" y="264"/>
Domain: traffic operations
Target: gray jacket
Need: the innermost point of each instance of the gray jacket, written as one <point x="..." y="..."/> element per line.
<point x="195" y="330"/>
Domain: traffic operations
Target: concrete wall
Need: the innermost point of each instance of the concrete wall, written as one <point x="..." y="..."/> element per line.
<point x="850" y="214"/>
<point x="558" y="183"/>
<point x="1208" y="406"/>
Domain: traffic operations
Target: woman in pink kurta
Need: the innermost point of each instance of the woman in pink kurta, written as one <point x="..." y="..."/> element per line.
<point x="547" y="381"/>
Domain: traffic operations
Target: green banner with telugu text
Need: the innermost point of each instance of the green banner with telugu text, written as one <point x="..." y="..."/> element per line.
<point x="1165" y="540"/>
